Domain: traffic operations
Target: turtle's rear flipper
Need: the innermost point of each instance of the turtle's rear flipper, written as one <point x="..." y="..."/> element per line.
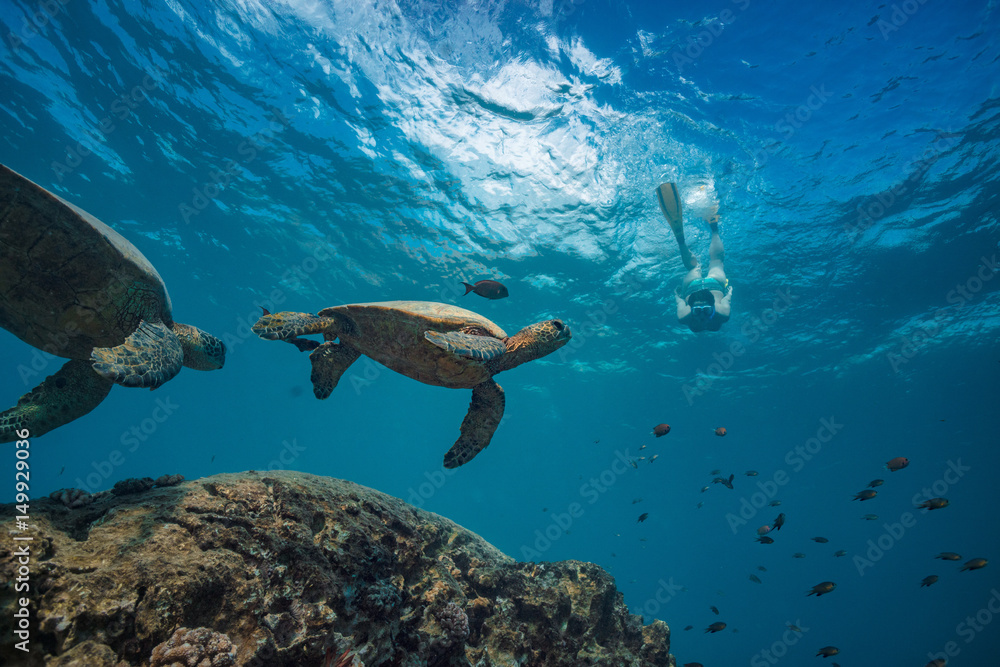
<point x="329" y="361"/>
<point x="287" y="325"/>
<point x="70" y="393"/>
<point x="481" y="421"/>
<point x="148" y="358"/>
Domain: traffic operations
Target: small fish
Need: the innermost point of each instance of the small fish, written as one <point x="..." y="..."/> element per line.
<point x="937" y="662"/>
<point x="61" y="470"/>
<point x="728" y="483"/>
<point x="693" y="664"/>
<point x="716" y="627"/>
<point x="827" y="651"/>
<point x="840" y="553"/>
<point x="821" y="540"/>
<point x="875" y="482"/>
<point x="661" y="430"/>
<point x="750" y="473"/>
<point x="948" y="555"/>
<point x="721" y="431"/>
<point x="928" y="580"/>
<point x="867" y="494"/>
<point x="779" y="521"/>
<point x="762" y="568"/>
<point x="822" y="588"/>
<point x="704" y="489"/>
<point x="690" y="627"/>
<point x="870" y="517"/>
<point x="794" y="628"/>
<point x="643" y="517"/>
<point x="715" y="472"/>
<point x="545" y="509"/>
<point x="634" y="464"/>
<point x="636" y="500"/>
<point x="213" y="459"/>
<point x="974" y="564"/>
<point x="798" y="554"/>
<point x="653" y="457"/>
<point x="700" y="505"/>
<point x="764" y="530"/>
<point x="715" y="610"/>
<point x="935" y="503"/>
<point x="897" y="463"/>
<point x="774" y="503"/>
<point x="642" y="448"/>
<point x="490" y="289"/>
<point x="755" y="579"/>
<point x="764" y="539"/>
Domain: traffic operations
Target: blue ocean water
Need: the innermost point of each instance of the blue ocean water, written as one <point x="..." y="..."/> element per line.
<point x="299" y="155"/>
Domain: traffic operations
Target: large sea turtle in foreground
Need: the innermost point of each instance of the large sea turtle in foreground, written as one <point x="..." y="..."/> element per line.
<point x="75" y="288"/>
<point x="433" y="343"/>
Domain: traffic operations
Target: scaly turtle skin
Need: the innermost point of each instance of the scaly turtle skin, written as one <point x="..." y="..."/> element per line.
<point x="75" y="288"/>
<point x="433" y="343"/>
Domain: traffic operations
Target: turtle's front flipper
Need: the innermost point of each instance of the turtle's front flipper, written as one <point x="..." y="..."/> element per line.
<point x="481" y="421"/>
<point x="329" y="361"/>
<point x="70" y="393"/>
<point x="148" y="358"/>
<point x="472" y="346"/>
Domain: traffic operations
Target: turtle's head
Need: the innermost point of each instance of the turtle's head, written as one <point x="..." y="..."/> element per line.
<point x="202" y="350"/>
<point x="534" y="342"/>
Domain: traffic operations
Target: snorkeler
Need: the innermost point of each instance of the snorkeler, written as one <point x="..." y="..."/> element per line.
<point x="702" y="303"/>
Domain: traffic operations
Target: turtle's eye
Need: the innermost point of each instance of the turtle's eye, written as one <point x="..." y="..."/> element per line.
<point x="558" y="325"/>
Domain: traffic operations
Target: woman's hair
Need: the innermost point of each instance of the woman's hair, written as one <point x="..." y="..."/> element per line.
<point x="701" y="297"/>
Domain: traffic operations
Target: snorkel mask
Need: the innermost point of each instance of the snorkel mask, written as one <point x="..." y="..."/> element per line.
<point x="702" y="304"/>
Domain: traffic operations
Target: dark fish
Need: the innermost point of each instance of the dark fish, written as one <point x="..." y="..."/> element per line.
<point x="867" y="494"/>
<point x="704" y="489"/>
<point x="928" y="580"/>
<point x="937" y="662"/>
<point x="794" y="628"/>
<point x="490" y="289"/>
<point x="636" y="500"/>
<point x="840" y="553"/>
<point x="716" y="627"/>
<point x="690" y="627"/>
<point x="728" y="483"/>
<point x="974" y="564"/>
<point x="948" y="555"/>
<point x="822" y="588"/>
<point x="643" y="517"/>
<point x="661" y="430"/>
<point x="750" y="473"/>
<point x="798" y="554"/>
<point x="700" y="505"/>
<point x="897" y="463"/>
<point x="61" y="470"/>
<point x="693" y="664"/>
<point x="779" y="521"/>
<point x="213" y="459"/>
<point x="755" y="579"/>
<point x="762" y="568"/>
<point x="827" y="651"/>
<point x="774" y="503"/>
<point x="870" y="517"/>
<point x="875" y="482"/>
<point x="715" y="472"/>
<point x="935" y="503"/>
<point x="821" y="540"/>
<point x="721" y="431"/>
<point x="715" y="610"/>
<point x="764" y="539"/>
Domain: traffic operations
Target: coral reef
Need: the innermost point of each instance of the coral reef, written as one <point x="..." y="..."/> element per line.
<point x="169" y="480"/>
<point x="132" y="485"/>
<point x="72" y="498"/>
<point x="295" y="569"/>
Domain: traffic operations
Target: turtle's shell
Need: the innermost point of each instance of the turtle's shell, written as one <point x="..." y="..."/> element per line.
<point x="68" y="282"/>
<point x="392" y="333"/>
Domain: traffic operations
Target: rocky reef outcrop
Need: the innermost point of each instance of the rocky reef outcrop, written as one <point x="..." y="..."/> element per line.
<point x="286" y="568"/>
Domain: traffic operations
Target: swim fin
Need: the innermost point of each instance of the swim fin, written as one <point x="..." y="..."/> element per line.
<point x="670" y="204"/>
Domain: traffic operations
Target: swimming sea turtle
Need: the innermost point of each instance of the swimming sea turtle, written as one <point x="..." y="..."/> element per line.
<point x="433" y="343"/>
<point x="75" y="288"/>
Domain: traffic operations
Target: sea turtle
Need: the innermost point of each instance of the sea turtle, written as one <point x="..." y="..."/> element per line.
<point x="433" y="343"/>
<point x="75" y="288"/>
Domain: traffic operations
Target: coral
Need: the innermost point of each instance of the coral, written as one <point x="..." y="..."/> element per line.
<point x="132" y="485"/>
<point x="169" y="480"/>
<point x="455" y="623"/>
<point x="200" y="647"/>
<point x="72" y="498"/>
